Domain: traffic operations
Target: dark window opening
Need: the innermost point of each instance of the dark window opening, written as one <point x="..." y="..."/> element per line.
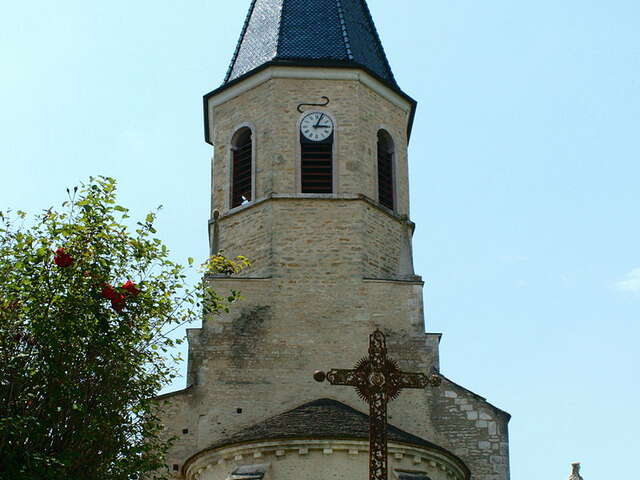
<point x="385" y="170"/>
<point x="175" y="467"/>
<point x="242" y="170"/>
<point x="238" y="410"/>
<point x="412" y="476"/>
<point x="249" y="472"/>
<point x="316" y="169"/>
<point x="185" y="431"/>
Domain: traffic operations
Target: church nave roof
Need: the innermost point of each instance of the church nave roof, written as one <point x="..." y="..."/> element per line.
<point x="321" y="419"/>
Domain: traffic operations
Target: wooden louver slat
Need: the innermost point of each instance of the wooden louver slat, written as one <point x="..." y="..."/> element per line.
<point x="242" y="171"/>
<point x="317" y="167"/>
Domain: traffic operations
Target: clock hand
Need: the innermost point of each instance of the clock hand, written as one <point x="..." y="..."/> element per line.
<point x="319" y="120"/>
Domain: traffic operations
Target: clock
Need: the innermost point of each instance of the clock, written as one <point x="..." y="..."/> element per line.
<point x="316" y="126"/>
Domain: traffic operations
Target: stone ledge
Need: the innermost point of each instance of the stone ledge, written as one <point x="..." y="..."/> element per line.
<point x="416" y="281"/>
<point x="316" y="196"/>
<point x="174" y="393"/>
<point x="210" y="276"/>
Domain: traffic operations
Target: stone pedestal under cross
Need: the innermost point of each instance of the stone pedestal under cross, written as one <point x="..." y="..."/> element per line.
<point x="378" y="380"/>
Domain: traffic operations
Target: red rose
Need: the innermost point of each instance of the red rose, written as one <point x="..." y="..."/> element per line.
<point x="10" y="306"/>
<point x="117" y="302"/>
<point x="62" y="259"/>
<point x="108" y="292"/>
<point x="130" y="287"/>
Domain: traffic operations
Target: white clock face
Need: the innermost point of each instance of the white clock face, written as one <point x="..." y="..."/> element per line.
<point x="316" y="126"/>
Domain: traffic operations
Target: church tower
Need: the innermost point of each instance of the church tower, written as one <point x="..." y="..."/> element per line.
<point x="310" y="182"/>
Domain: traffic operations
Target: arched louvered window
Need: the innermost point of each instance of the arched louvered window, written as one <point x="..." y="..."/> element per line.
<point x="241" y="167"/>
<point x="386" y="190"/>
<point x="316" y="153"/>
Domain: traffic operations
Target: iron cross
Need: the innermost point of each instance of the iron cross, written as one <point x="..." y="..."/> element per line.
<point x="378" y="380"/>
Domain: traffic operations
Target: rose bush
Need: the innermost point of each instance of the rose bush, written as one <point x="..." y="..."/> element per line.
<point x="81" y="359"/>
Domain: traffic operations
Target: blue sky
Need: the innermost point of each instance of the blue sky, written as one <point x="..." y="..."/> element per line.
<point x="525" y="175"/>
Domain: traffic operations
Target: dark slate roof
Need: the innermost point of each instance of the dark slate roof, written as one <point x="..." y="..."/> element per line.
<point x="309" y="32"/>
<point x="324" y="418"/>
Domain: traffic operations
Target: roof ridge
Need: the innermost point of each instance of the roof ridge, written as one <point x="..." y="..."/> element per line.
<point x="330" y="402"/>
<point x="345" y="33"/>
<point x="326" y="401"/>
<point x="280" y="28"/>
<point x="377" y="35"/>
<point x="242" y="34"/>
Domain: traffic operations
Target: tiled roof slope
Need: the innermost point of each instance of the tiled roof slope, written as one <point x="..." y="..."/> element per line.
<point x="309" y="32"/>
<point x="324" y="418"/>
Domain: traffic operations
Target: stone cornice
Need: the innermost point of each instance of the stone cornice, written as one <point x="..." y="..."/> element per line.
<point x="269" y="72"/>
<point x="259" y="451"/>
<point x="316" y="196"/>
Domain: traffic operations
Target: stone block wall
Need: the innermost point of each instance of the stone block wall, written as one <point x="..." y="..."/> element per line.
<point x="387" y="251"/>
<point x="301" y="237"/>
<point x="258" y="362"/>
<point x="473" y="429"/>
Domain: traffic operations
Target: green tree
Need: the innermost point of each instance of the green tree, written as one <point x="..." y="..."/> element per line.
<point x="86" y="307"/>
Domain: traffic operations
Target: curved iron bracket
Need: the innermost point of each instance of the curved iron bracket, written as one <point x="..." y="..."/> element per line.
<point x="326" y="99"/>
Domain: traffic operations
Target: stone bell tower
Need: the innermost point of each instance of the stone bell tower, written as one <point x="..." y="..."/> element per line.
<point x="310" y="182"/>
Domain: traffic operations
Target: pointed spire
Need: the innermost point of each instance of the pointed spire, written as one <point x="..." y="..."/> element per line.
<point x="575" y="472"/>
<point x="310" y="33"/>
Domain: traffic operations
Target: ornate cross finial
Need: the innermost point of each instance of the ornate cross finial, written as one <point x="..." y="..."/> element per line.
<point x="378" y="380"/>
<point x="575" y="472"/>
